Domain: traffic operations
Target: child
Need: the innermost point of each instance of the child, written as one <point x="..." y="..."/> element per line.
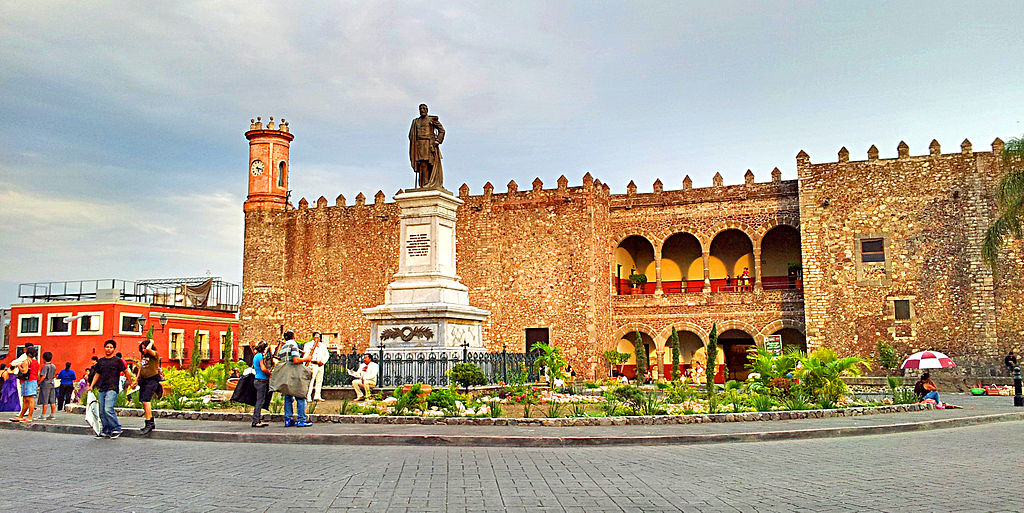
<point x="47" y="392"/>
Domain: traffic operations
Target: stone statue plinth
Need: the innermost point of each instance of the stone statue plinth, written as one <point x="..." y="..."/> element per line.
<point x="426" y="308"/>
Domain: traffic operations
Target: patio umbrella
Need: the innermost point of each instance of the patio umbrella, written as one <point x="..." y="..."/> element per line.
<point x="927" y="360"/>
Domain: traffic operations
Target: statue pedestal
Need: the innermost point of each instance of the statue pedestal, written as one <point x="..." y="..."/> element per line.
<point x="426" y="309"/>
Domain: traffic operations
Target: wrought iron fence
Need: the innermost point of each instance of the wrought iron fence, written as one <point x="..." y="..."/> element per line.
<point x="431" y="367"/>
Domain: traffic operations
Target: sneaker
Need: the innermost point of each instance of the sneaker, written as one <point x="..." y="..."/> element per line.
<point x="303" y="424"/>
<point x="115" y="434"/>
<point x="50" y="417"/>
<point x="101" y="435"/>
<point x="289" y="423"/>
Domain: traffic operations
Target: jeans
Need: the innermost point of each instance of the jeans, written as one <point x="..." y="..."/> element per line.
<point x="262" y="387"/>
<point x="933" y="395"/>
<point x="300" y="402"/>
<point x="108" y="418"/>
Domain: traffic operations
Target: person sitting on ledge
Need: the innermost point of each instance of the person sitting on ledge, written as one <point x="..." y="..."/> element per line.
<point x="925" y="388"/>
<point x="365" y="378"/>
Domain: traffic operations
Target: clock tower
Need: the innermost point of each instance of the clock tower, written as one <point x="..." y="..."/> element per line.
<point x="268" y="165"/>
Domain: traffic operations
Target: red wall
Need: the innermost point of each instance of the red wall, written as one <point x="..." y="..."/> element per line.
<point x="80" y="348"/>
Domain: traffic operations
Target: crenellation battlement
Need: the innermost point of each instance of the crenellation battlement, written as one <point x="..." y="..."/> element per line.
<point x="257" y="124"/>
<point x="903" y="153"/>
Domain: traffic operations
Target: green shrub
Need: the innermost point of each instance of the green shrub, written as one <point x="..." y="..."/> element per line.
<point x="797" y="400"/>
<point x="467" y="375"/>
<point x="680" y="394"/>
<point x="554" y="409"/>
<point x="822" y="371"/>
<point x="410" y="400"/>
<point x="578" y="409"/>
<point x="442" y="398"/>
<point x="900" y="394"/>
<point x="887" y="358"/>
<point x="762" y="402"/>
<point x="182" y="383"/>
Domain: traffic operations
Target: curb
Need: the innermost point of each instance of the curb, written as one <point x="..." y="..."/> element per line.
<point x="650" y="420"/>
<point x="527" y="441"/>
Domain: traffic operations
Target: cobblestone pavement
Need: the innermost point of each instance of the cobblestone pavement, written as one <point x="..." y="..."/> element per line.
<point x="964" y="469"/>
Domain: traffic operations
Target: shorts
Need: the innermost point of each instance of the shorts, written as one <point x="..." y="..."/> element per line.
<point x="47" y="394"/>
<point x="29" y="388"/>
<point x="148" y="387"/>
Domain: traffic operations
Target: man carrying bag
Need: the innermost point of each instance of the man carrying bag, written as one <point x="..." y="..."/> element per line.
<point x="292" y="378"/>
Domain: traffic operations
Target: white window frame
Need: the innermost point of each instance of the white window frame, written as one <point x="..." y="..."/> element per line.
<point x="220" y="345"/>
<point x="99" y="323"/>
<point x="38" y="316"/>
<point x="204" y="355"/>
<point x="49" y="324"/>
<point x="120" y="323"/>
<point x="170" y="348"/>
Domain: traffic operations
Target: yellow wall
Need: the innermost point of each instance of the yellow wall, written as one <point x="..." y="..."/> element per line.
<point x="696" y="270"/>
<point x="626" y="346"/>
<point x="623" y="258"/>
<point x="670" y="271"/>
<point x="716" y="268"/>
<point x="744" y="261"/>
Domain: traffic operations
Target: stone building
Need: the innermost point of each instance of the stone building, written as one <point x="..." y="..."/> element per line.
<point x="848" y="254"/>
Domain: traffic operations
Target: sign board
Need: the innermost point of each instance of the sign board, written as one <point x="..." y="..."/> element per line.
<point x="773" y="343"/>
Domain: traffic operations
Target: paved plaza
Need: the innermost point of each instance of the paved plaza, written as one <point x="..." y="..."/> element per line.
<point x="975" y="468"/>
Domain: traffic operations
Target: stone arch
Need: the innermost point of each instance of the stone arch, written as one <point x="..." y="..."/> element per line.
<point x="634" y="252"/>
<point x="664" y="334"/>
<point x="709" y="235"/>
<point x="731" y="254"/>
<point x="767" y="226"/>
<point x="621" y="335"/>
<point x="682" y="262"/>
<point x="745" y="327"/>
<point x="663" y="234"/>
<point x="628" y="328"/>
<point x="626" y="233"/>
<point x="779" y="324"/>
<point x="779" y="248"/>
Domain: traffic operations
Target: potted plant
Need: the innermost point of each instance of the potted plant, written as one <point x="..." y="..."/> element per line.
<point x="637" y="281"/>
<point x="796" y="276"/>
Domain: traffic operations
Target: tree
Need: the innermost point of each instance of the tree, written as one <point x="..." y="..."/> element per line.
<point x="887" y="358"/>
<point x="227" y="350"/>
<point x="193" y="366"/>
<point x="1009" y="202"/>
<point x="673" y="342"/>
<point x="467" y="375"/>
<point x="709" y="372"/>
<point x="616" y="358"/>
<point x="549" y="358"/>
<point x="641" y="357"/>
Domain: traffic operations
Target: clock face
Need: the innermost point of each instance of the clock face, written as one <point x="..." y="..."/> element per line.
<point x="257" y="167"/>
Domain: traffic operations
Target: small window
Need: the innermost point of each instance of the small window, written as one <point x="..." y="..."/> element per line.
<point x="280" y="174"/>
<point x="90" y="323"/>
<point x="204" y="344"/>
<point x="176" y="344"/>
<point x="535" y="336"/>
<point x="130" y="323"/>
<point x="58" y="325"/>
<point x="872" y="250"/>
<point x="902" y="309"/>
<point x="29" y="325"/>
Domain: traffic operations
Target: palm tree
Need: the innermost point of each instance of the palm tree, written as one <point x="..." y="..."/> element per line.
<point x="821" y="372"/>
<point x="1010" y="201"/>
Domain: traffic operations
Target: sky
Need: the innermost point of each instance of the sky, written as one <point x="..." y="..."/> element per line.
<point x="122" y="152"/>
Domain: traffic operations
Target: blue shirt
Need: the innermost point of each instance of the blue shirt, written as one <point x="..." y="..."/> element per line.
<point x="256" y="360"/>
<point x="66" y="377"/>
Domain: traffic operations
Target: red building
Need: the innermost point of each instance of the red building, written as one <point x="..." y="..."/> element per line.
<point x="73" y="319"/>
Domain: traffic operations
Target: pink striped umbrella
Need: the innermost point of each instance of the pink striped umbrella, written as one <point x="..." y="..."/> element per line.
<point x="927" y="360"/>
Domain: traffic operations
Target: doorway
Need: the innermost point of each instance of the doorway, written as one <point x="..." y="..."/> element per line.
<point x="735" y="344"/>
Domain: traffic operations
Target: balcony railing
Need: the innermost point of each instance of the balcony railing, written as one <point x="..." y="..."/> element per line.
<point x="625" y="288"/>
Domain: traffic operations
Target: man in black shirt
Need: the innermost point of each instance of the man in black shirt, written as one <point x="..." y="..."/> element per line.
<point x="105" y="380"/>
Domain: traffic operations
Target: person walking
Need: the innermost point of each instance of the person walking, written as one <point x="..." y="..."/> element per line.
<point x="290" y="352"/>
<point x="148" y="381"/>
<point x="28" y="375"/>
<point x="47" y="391"/>
<point x="261" y="382"/>
<point x="106" y="376"/>
<point x="67" y="379"/>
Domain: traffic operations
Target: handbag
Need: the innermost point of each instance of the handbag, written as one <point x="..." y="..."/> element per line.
<point x="291" y="379"/>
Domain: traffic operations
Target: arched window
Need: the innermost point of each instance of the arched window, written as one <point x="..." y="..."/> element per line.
<point x="780" y="258"/>
<point x="635" y="254"/>
<point x="280" y="174"/>
<point x="731" y="261"/>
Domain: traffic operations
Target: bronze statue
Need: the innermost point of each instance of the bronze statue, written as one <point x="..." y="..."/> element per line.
<point x="425" y="136"/>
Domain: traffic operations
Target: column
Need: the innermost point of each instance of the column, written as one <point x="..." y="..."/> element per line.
<point x="657" y="272"/>
<point x="757" y="270"/>
<point x="707" y="273"/>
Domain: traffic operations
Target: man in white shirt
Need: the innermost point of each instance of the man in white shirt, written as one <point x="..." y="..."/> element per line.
<point x="318" y="355"/>
<point x="366" y="378"/>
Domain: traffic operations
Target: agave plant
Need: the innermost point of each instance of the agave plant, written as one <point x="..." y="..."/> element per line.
<point x="769" y="366"/>
<point x="821" y="371"/>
